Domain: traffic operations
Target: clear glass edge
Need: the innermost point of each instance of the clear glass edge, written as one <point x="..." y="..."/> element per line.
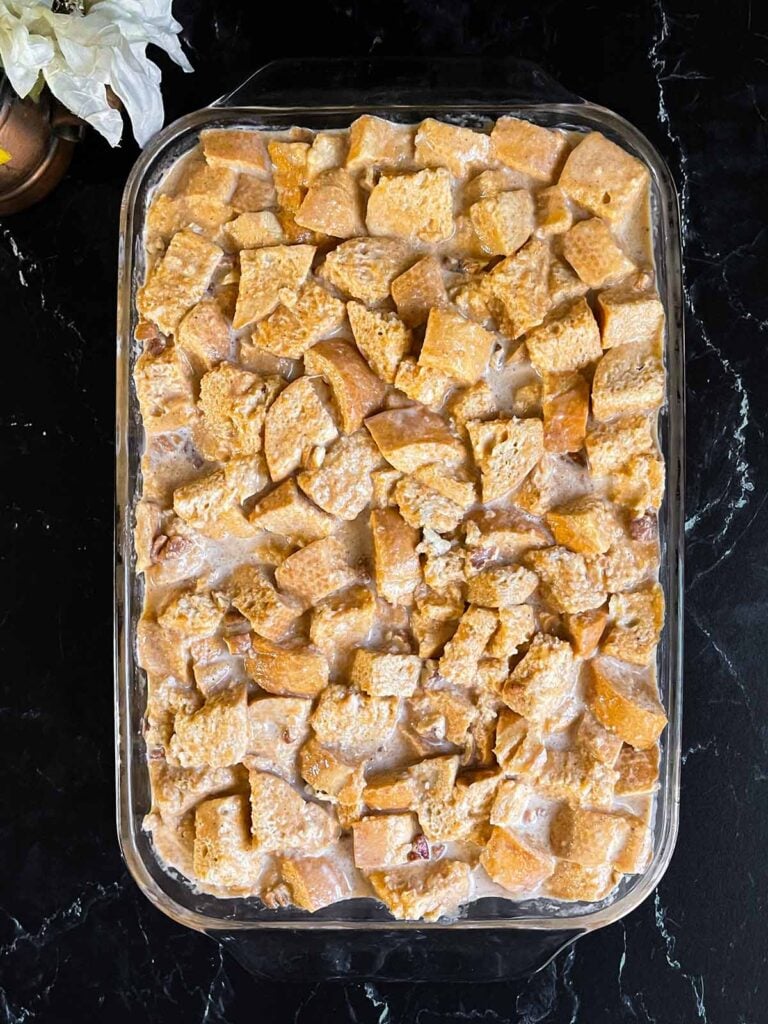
<point x="667" y="225"/>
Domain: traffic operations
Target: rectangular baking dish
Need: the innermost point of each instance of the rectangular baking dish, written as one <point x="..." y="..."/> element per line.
<point x="463" y="92"/>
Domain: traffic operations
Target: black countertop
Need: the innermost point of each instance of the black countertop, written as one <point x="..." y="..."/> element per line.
<point x="78" y="941"/>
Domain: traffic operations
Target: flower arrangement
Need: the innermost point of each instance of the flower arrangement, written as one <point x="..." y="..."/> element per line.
<point x="81" y="48"/>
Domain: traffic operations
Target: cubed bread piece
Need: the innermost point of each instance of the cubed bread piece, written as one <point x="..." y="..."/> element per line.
<point x="296" y="325"/>
<point x="625" y="566"/>
<point x="441" y="716"/>
<point x="178" y="280"/>
<point x="223" y="853"/>
<point x="516" y="627"/>
<point x="563" y="285"/>
<point x="384" y="840"/>
<point x="204" y="335"/>
<point x="381" y="337"/>
<point x="343" y="621"/>
<point x="277" y="728"/>
<point x="553" y="478"/>
<point x="433" y="778"/>
<point x="385" y="675"/>
<point x="636" y="851"/>
<point x="603" y="178"/>
<point x="571" y="881"/>
<point x="384" y="481"/>
<point x="418" y="290"/>
<point x="423" y="892"/>
<point x="514" y="863"/>
<point x="253" y="229"/>
<point x="314" y="882"/>
<point x="239" y="150"/>
<point x="505" y="452"/>
<point x="289" y="170"/>
<point x="328" y="150"/>
<point x="476" y="402"/>
<point x="575" y="776"/>
<point x="423" y="384"/>
<point x="267" y="276"/>
<point x="333" y="205"/>
<point x="569" y="340"/>
<point x="342" y="483"/>
<point x="594" y="254"/>
<point x="396" y="564"/>
<point x="510" y="802"/>
<point x="503" y="222"/>
<point x="191" y="614"/>
<point x="252" y="194"/>
<point x="590" y="838"/>
<point x="412" y="206"/>
<point x="270" y="614"/>
<point x="456" y="346"/>
<point x="471" y="296"/>
<point x="588" y="524"/>
<point x="567" y="581"/>
<point x="528" y="147"/>
<point x="315" y="571"/>
<point x="164" y="388"/>
<point x="296" y="671"/>
<point x="287" y="512"/>
<point x="325" y="771"/>
<point x="365" y="268"/>
<point x="375" y="141"/>
<point x="216" y="734"/>
<point x="459" y="149"/>
<point x="541" y="679"/>
<point x="629" y="316"/>
<point x="464" y="650"/>
<point x="444" y="569"/>
<point x="453" y="482"/>
<point x="434" y="620"/>
<point x="357" y="391"/>
<point x="413" y="437"/>
<point x="625" y="700"/>
<point x="585" y="630"/>
<point x="628" y="379"/>
<point x="501" y="586"/>
<point x="282" y="820"/>
<point x="297" y="421"/>
<point x="636" y="627"/>
<point x="611" y="445"/>
<point x="639" y="484"/>
<point x="211" y="504"/>
<point x="501" y="533"/>
<point x="233" y="403"/>
<point x="565" y="409"/>
<point x="638" y="771"/>
<point x="553" y="214"/>
<point x="516" y="290"/>
<point x="353" y="723"/>
<point x="177" y="790"/>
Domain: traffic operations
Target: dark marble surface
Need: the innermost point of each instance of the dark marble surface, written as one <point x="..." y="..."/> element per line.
<point x="78" y="941"/>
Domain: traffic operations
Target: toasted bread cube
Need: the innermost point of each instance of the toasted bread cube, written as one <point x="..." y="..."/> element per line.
<point x="456" y="346"/>
<point x="434" y="778"/>
<point x="204" y="335"/>
<point x="541" y="679"/>
<point x="503" y="222"/>
<point x="440" y="715"/>
<point x="509" y="804"/>
<point x="286" y="671"/>
<point x="628" y="379"/>
<point x="324" y="771"/>
<point x="625" y="566"/>
<point x="287" y="512"/>
<point x="216" y="734"/>
<point x="451" y="482"/>
<point x="372" y="140"/>
<point x="638" y="771"/>
<point x="611" y="445"/>
<point x="211" y="182"/>
<point x="365" y="268"/>
<point x="600" y="743"/>
<point x="252" y="194"/>
<point x="472" y="298"/>
<point x="462" y="653"/>
<point x="356" y="724"/>
<point x="164" y="388"/>
<point x="282" y="820"/>
<point x="381" y="337"/>
<point x="501" y="533"/>
<point x="447" y="145"/>
<point x="423" y="892"/>
<point x="396" y="564"/>
<point x="513" y="863"/>
<point x="315" y="571"/>
<point x="223" y="853"/>
<point x="385" y="675"/>
<point x="505" y="451"/>
<point x="314" y="882"/>
<point x="343" y="621"/>
<point x="551" y="479"/>
<point x="442" y="568"/>
<point x="383" y="840"/>
<point x="516" y="627"/>
<point x="254" y="229"/>
<point x="167" y="215"/>
<point x="266" y="275"/>
<point x="342" y="484"/>
<point x="384" y="481"/>
<point x="528" y="148"/>
<point x="328" y="150"/>
<point x="567" y="581"/>
<point x="233" y="403"/>
<point x="516" y="290"/>
<point x="177" y="790"/>
<point x="553" y="214"/>
<point x="502" y="586"/>
<point x="575" y="776"/>
<point x="636" y="851"/>
<point x="626" y="701"/>
<point x="639" y="484"/>
<point x="476" y="402"/>
<point x="412" y="206"/>
<point x="637" y="622"/>
<point x="179" y="280"/>
<point x="296" y="422"/>
<point x="491" y="182"/>
<point x="563" y="286"/>
<point x="418" y="290"/>
<point x="413" y="437"/>
<point x="270" y="614"/>
<point x="289" y="170"/>
<point x="211" y="505"/>
<point x="357" y="392"/>
<point x="333" y="205"/>
<point x="239" y="150"/>
<point x="191" y="615"/>
<point x="423" y="384"/>
<point x="571" y="881"/>
<point x="565" y="409"/>
<point x="629" y="316"/>
<point x="435" y="619"/>
<point x="569" y="340"/>
<point x="587" y="524"/>
<point x="585" y="630"/>
<point x="277" y="728"/>
<point x="592" y="251"/>
<point x="297" y="325"/>
<point x="603" y="178"/>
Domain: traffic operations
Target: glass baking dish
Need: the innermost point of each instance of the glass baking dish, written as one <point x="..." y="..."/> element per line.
<point x="358" y="937"/>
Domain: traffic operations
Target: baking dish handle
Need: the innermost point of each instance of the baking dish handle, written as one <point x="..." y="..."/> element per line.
<point x="446" y="954"/>
<point x="389" y="81"/>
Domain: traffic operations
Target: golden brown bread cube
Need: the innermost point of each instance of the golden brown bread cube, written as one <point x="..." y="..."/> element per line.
<point x="211" y="504"/>
<point x="353" y="723"/>
<point x="216" y="734"/>
<point x="298" y="323"/>
<point x="357" y="391"/>
<point x="626" y="565"/>
<point x="568" y="582"/>
<point x="541" y="679"/>
<point x="343" y="621"/>
<point x="381" y="337"/>
<point x="563" y="285"/>
<point x="553" y="477"/>
<point x="505" y="452"/>
<point x="421" y="506"/>
<point x="509" y="804"/>
<point x="297" y="421"/>
<point x="571" y="881"/>
<point x="383" y="840"/>
<point x="413" y="437"/>
<point x="637" y="620"/>
<point x="441" y="716"/>
<point x="239" y="150"/>
<point x="503" y="222"/>
<point x="177" y="790"/>
<point x="603" y="178"/>
<point x="588" y="524"/>
<point x="569" y="340"/>
<point x="285" y="511"/>
<point x="434" y="620"/>
<point x="454" y="482"/>
<point x="628" y="379"/>
<point x="638" y="771"/>
<point x="448" y="145"/>
<point x="191" y="614"/>
<point x="432" y="778"/>
<point x="611" y="445"/>
<point x="328" y="774"/>
<point x="277" y="728"/>
<point x="501" y="586"/>
<point x="423" y="384"/>
<point x="385" y="675"/>
<point x="476" y="402"/>
<point x="464" y="650"/>
<point x="594" y="254"/>
<point x="164" y="388"/>
<point x="565" y="409"/>
<point x="328" y="150"/>
<point x="233" y="403"/>
<point x="383" y="481"/>
<point x="590" y="838"/>
<point x="396" y="564"/>
<point x="501" y="533"/>
<point x="517" y="290"/>
<point x="516" y="627"/>
<point x="553" y="214"/>
<point x="629" y="316"/>
<point x="266" y="275"/>
<point x="418" y="290"/>
<point x="342" y="484"/>
<point x="416" y="207"/>
<point x="365" y="268"/>
<point x="636" y="851"/>
<point x="333" y="205"/>
<point x="270" y="614"/>
<point x="295" y="671"/>
<point x="639" y="484"/>
<point x="223" y="853"/>
<point x="289" y="170"/>
<point x="178" y="280"/>
<point x="282" y="820"/>
<point x="314" y="882"/>
<point x="204" y="335"/>
<point x="575" y="776"/>
<point x="252" y="194"/>
<point x="423" y="892"/>
<point x="315" y="571"/>
<point x="208" y="181"/>
<point x="625" y="700"/>
<point x="456" y="346"/>
<point x="528" y="147"/>
<point x="372" y="140"/>
<point x="514" y="863"/>
<point x="585" y="630"/>
<point x="253" y="229"/>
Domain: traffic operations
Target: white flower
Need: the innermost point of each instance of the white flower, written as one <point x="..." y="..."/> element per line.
<point x="78" y="56"/>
